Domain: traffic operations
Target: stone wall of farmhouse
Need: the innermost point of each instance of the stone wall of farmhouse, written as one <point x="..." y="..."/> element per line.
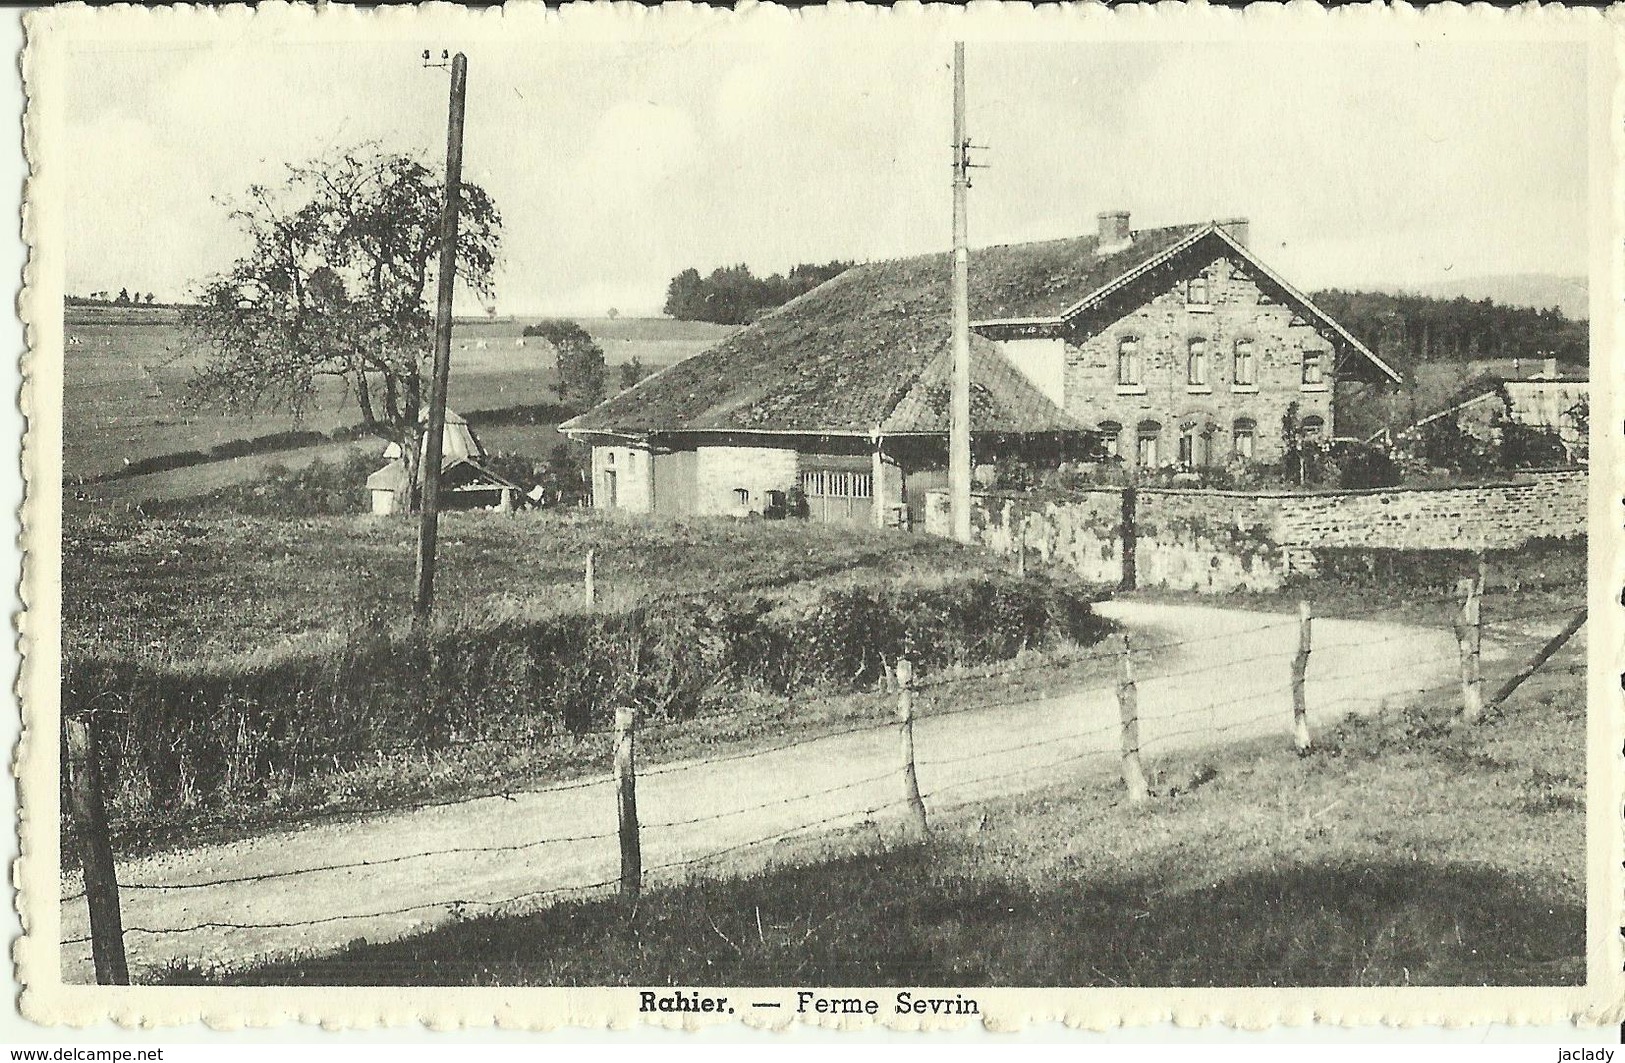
<point x="622" y="478"/>
<point x="1220" y="541"/>
<point x="734" y="481"/>
<point x="1237" y="310"/>
<point x="1542" y="505"/>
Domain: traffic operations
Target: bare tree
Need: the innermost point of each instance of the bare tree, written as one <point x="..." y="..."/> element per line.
<point x="335" y="287"/>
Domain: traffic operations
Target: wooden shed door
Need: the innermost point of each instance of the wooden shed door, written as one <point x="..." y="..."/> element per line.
<point x="838" y="497"/>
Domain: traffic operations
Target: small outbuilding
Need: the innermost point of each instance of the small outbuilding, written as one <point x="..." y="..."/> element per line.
<point x="465" y="482"/>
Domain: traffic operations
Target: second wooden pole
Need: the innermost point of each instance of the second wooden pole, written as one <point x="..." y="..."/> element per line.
<point x="95" y="853"/>
<point x="1300" y="671"/>
<point x="1128" y="709"/>
<point x="626" y="802"/>
<point x="905" y="730"/>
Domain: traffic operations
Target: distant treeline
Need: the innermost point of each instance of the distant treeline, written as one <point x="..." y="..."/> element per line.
<point x="1411" y="329"/>
<point x="124" y="298"/>
<point x="733" y="295"/>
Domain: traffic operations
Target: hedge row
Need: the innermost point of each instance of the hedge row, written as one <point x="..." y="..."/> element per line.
<point x="1538" y="563"/>
<point x="538" y="413"/>
<point x="190" y="733"/>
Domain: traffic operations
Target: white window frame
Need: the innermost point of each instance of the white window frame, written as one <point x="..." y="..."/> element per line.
<point x="1196" y="364"/>
<point x="1147" y="443"/>
<point x="1240" y="380"/>
<point x="1244" y="428"/>
<point x="1316" y="381"/>
<point x="1129" y="357"/>
<point x="1200" y="283"/>
<point x="1113" y="433"/>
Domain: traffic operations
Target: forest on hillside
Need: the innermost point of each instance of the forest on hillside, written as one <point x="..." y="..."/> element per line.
<point x="1410" y="330"/>
<point x="733" y="295"/>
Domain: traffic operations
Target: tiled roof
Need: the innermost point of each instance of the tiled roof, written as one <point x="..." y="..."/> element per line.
<point x="868" y="347"/>
<point x="1002" y="399"/>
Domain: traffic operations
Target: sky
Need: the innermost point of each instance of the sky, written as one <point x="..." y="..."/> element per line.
<point x="618" y="164"/>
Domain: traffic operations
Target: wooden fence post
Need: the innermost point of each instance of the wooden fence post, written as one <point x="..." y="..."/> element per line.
<point x="1553" y="644"/>
<point x="626" y="801"/>
<point x="589" y="588"/>
<point x="905" y="730"/>
<point x="1021" y="551"/>
<point x="1128" y="529"/>
<point x="1128" y="709"/>
<point x="1300" y="670"/>
<point x="95" y="851"/>
<point x="1469" y="640"/>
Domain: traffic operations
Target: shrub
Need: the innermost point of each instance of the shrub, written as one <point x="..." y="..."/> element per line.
<point x="1361" y="465"/>
<point x="1536" y="564"/>
<point x="198" y="732"/>
<point x="318" y="489"/>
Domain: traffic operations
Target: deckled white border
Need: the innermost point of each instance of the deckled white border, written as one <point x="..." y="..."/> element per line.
<point x="45" y="1000"/>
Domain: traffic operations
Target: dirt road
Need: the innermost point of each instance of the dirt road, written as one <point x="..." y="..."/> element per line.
<point x="1224" y="678"/>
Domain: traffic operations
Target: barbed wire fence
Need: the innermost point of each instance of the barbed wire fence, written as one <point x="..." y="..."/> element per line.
<point x="1127" y="657"/>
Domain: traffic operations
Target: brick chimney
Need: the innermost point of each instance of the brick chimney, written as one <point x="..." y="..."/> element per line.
<point x="1235" y="228"/>
<point x="1114" y="235"/>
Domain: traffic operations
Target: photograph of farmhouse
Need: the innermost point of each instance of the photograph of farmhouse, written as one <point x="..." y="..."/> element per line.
<point x="1170" y="345"/>
<point x="818" y="507"/>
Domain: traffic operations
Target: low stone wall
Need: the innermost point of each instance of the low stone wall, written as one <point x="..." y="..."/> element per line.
<point x="1219" y="541"/>
<point x="1539" y="505"/>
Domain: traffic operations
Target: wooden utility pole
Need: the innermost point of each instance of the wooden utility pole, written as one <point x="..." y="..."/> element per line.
<point x="959" y="471"/>
<point x="95" y="852"/>
<point x="429" y="518"/>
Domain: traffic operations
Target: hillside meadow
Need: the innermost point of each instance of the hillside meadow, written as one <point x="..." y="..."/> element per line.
<point x="260" y="670"/>
<point x="125" y="372"/>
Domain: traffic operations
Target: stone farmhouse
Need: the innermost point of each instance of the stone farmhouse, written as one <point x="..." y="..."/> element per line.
<point x="1161" y="347"/>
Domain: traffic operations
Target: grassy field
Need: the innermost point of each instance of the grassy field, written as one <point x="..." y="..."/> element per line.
<point x="126" y="370"/>
<point x="223" y="639"/>
<point x="1402" y="851"/>
<point x="190" y="589"/>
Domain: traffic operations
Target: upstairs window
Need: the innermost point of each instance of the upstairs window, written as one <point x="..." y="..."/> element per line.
<point x="1314" y="369"/>
<point x="1244" y="374"/>
<point x="1196" y="291"/>
<point x="1196" y="363"/>
<point x="1128" y="362"/>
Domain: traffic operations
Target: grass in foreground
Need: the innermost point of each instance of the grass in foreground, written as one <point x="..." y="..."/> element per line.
<point x="1402" y="851"/>
<point x="195" y="589"/>
<point x="1534" y="585"/>
<point x="199" y="596"/>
